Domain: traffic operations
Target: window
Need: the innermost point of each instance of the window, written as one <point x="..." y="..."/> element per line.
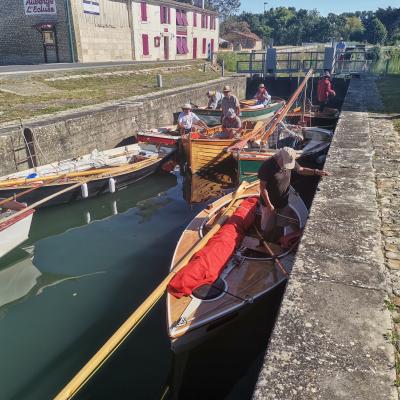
<point x="165" y="15"/>
<point x="145" y="43"/>
<point x="181" y="18"/>
<point x="143" y="11"/>
<point x="213" y="22"/>
<point x="181" y="45"/>
<point x="204" y="45"/>
<point x="194" y="19"/>
<point x="203" y="21"/>
<point x="206" y="18"/>
<point x="48" y="37"/>
<point x="184" y="18"/>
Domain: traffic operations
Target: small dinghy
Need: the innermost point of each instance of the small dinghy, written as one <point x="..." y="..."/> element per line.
<point x="165" y="136"/>
<point x="232" y="271"/>
<point x="105" y="172"/>
<point x="14" y="225"/>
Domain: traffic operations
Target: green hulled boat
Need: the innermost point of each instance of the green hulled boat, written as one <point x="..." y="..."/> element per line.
<point x="248" y="112"/>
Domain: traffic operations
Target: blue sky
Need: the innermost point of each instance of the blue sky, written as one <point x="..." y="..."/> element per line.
<point x="323" y="6"/>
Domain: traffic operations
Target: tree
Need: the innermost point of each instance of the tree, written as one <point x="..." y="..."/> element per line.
<point x="353" y="28"/>
<point x="233" y="24"/>
<point x="376" y="31"/>
<point x="225" y="8"/>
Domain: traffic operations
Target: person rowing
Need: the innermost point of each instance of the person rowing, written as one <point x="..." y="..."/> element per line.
<point x="187" y="119"/>
<point x="231" y="124"/>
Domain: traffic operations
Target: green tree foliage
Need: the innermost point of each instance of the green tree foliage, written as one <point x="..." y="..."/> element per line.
<point x="226" y="8"/>
<point x="288" y="26"/>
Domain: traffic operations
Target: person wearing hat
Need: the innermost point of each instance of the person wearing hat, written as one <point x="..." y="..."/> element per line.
<point x="188" y="119"/>
<point x="229" y="101"/>
<point x="231" y="124"/>
<point x="341" y="46"/>
<point x="262" y="96"/>
<point x="214" y="99"/>
<point x="274" y="175"/>
<point x="324" y="90"/>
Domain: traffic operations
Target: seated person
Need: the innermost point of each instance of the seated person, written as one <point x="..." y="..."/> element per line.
<point x="214" y="99"/>
<point x="262" y="96"/>
<point x="231" y="124"/>
<point x="187" y="119"/>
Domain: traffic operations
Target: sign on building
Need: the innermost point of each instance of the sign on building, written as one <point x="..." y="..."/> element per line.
<point x="39" y="7"/>
<point x="91" y="7"/>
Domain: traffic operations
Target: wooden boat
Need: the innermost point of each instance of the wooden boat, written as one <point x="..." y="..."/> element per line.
<point x="248" y="277"/>
<point x="205" y="150"/>
<point x="108" y="171"/>
<point x="249" y="111"/>
<point x="165" y="136"/>
<point x="14" y="231"/>
<point x="310" y="151"/>
<point x="314" y="117"/>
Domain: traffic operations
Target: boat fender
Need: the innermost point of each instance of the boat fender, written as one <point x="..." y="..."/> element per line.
<point x="85" y="191"/>
<point x="111" y="185"/>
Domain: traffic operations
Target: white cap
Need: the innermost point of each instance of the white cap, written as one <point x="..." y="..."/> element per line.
<point x="187" y="106"/>
<point x="288" y="156"/>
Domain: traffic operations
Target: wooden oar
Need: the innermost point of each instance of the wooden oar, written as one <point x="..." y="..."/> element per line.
<point x="109" y="170"/>
<point x="271" y="253"/>
<point x="16" y="196"/>
<point x="72" y="388"/>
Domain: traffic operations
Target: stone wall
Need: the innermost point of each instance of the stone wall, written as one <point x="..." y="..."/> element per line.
<point x="73" y="133"/>
<point x="20" y="42"/>
<point x="329" y="339"/>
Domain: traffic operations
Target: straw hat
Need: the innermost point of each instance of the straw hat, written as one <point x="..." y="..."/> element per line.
<point x="226" y="89"/>
<point x="262" y="86"/>
<point x="288" y="156"/>
<point x="187" y="106"/>
<point x="211" y="93"/>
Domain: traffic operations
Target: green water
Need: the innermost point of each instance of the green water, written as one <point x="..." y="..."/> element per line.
<point x="382" y="66"/>
<point x="84" y="269"/>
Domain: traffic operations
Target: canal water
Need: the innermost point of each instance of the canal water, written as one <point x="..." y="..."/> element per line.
<point x="84" y="269"/>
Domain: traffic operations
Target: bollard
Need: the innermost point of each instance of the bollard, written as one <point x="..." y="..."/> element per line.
<point x="387" y="66"/>
<point x="223" y="68"/>
<point x="159" y="81"/>
<point x="204" y="67"/>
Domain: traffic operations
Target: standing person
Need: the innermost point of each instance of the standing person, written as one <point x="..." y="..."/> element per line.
<point x="341" y="46"/>
<point x="188" y="119"/>
<point x="262" y="96"/>
<point x="214" y="99"/>
<point x="229" y="101"/>
<point x="231" y="124"/>
<point x="274" y="175"/>
<point x="324" y="90"/>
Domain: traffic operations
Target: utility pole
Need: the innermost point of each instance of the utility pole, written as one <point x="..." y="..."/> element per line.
<point x="265" y="6"/>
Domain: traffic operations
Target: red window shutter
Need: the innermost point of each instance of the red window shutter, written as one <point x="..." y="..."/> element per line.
<point x="169" y="16"/>
<point x="184" y="45"/>
<point x="203" y="24"/>
<point x="206" y="21"/>
<point x="179" y="20"/>
<point x="145" y="42"/>
<point x="212" y="45"/>
<point x="162" y="15"/>
<point x="143" y="10"/>
<point x="184" y="18"/>
<point x="204" y="45"/>
<point x="179" y="45"/>
<point x="194" y="19"/>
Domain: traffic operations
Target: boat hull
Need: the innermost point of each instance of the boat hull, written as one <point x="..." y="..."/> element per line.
<point x="96" y="187"/>
<point x="213" y="117"/>
<point x="14" y="232"/>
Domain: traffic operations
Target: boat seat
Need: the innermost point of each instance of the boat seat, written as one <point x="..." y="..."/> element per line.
<point x="253" y="243"/>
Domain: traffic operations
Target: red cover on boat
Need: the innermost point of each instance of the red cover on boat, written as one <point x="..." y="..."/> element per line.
<point x="207" y="264"/>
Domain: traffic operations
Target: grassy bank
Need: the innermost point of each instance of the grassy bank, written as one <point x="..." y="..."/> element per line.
<point x="27" y="96"/>
<point x="389" y="89"/>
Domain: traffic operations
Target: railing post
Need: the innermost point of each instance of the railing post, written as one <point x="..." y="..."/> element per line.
<point x="223" y="68"/>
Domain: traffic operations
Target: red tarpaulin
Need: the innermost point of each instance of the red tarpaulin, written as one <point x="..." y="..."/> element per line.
<point x="207" y="264"/>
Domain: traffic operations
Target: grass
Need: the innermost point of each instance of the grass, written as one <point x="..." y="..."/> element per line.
<point x="64" y="95"/>
<point x="389" y="89"/>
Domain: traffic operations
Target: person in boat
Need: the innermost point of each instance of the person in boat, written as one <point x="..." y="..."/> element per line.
<point x="231" y="124"/>
<point x="274" y="175"/>
<point x="324" y="90"/>
<point x="262" y="96"/>
<point x="229" y="101"/>
<point x="214" y="99"/>
<point x="187" y="119"/>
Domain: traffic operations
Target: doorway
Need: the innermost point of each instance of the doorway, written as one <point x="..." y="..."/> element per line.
<point x="194" y="48"/>
<point x="166" y="47"/>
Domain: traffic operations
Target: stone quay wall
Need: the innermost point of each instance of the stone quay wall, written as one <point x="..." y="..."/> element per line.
<point x="73" y="133"/>
<point x="332" y="336"/>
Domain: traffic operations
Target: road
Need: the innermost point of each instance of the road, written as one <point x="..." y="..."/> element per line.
<point x="58" y="67"/>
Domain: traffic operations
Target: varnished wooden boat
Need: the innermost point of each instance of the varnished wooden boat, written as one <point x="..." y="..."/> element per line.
<point x="165" y="136"/>
<point x="109" y="171"/>
<point x="314" y="117"/>
<point x="248" y="111"/>
<point x="206" y="150"/>
<point x="247" y="278"/>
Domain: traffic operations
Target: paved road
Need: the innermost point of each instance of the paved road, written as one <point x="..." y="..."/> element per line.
<point x="39" y="68"/>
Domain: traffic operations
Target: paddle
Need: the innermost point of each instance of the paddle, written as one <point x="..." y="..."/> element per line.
<point x="130" y="324"/>
<point x="270" y="252"/>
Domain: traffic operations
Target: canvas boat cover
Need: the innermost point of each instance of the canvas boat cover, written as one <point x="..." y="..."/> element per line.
<point x="207" y="264"/>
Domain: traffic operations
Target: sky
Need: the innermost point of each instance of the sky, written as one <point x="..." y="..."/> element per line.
<point x="323" y="6"/>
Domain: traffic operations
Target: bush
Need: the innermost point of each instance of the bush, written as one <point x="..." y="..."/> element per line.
<point x="375" y="53"/>
<point x="230" y="58"/>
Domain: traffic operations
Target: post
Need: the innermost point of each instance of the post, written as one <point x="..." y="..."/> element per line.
<point x="204" y="67"/>
<point x="223" y="68"/>
<point x="70" y="42"/>
<point x="387" y="66"/>
<point x="159" y="81"/>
